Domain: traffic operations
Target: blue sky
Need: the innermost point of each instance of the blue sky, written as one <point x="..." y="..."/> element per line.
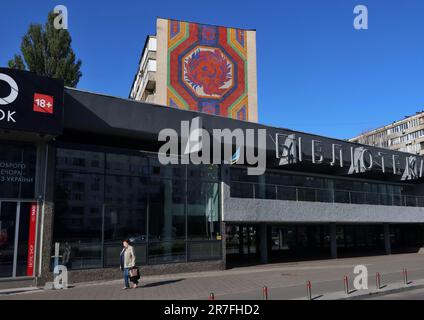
<point x="316" y="73"/>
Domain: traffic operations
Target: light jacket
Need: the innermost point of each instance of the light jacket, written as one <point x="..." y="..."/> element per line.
<point x="129" y="257"/>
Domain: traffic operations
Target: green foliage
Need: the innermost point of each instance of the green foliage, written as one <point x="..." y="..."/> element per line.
<point x="48" y="52"/>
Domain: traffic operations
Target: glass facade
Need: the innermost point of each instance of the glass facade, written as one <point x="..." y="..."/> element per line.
<point x="242" y="245"/>
<point x="170" y="213"/>
<point x="17" y="192"/>
<point x="296" y="242"/>
<point x="359" y="239"/>
<point x="17" y="171"/>
<point x="284" y="186"/>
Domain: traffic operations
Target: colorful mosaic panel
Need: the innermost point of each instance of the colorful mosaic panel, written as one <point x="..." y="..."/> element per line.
<point x="207" y="69"/>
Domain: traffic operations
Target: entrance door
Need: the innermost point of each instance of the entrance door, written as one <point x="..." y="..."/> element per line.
<point x="241" y="245"/>
<point x="17" y="238"/>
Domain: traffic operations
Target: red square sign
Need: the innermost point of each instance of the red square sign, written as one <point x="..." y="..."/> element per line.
<point x="43" y="103"/>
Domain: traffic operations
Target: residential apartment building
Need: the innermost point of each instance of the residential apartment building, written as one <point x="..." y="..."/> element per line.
<point x="198" y="67"/>
<point x="144" y="85"/>
<point x="406" y="135"/>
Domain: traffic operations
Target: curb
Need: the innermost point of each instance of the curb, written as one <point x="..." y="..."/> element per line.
<point x="18" y="290"/>
<point x="384" y="293"/>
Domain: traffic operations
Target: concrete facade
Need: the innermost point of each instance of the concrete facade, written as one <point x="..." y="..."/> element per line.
<point x="271" y="211"/>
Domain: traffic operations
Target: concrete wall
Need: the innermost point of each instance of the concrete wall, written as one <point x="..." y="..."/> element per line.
<point x="161" y="61"/>
<point x="252" y="76"/>
<point x="258" y="210"/>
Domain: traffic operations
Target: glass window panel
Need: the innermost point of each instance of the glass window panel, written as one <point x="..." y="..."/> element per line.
<point x="163" y="252"/>
<point x="112" y="254"/>
<point x="205" y="172"/>
<point x="242" y="190"/>
<point x="238" y="174"/>
<point x="286" y="193"/>
<point x="79" y="188"/>
<point x="386" y="199"/>
<point x="410" y="201"/>
<point x="80" y="160"/>
<point x="324" y="195"/>
<point x="17" y="171"/>
<point x="420" y="201"/>
<point x="265" y="191"/>
<point x="7" y="237"/>
<point x="203" y="210"/>
<point x="306" y="194"/>
<point x="397" y="200"/>
<point x="167" y="210"/>
<point x="341" y="196"/>
<point x="205" y="250"/>
<point x="157" y="170"/>
<point x="122" y="164"/>
<point x="358" y="197"/>
<point x="126" y="190"/>
<point x="78" y="218"/>
<point x="125" y="223"/>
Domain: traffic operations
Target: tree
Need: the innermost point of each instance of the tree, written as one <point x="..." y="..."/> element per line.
<point x="47" y="51"/>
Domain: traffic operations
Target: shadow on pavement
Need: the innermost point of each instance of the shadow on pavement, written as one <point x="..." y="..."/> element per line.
<point x="161" y="283"/>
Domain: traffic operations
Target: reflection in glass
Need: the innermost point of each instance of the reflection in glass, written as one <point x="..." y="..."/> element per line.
<point x="162" y="252"/>
<point x="7" y="238"/>
<point x="103" y="198"/>
<point x="167" y="210"/>
<point x="17" y="171"/>
<point x="203" y="210"/>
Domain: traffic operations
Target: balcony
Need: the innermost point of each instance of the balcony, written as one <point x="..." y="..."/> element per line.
<point x="146" y="80"/>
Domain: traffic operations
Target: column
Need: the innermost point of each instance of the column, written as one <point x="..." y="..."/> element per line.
<point x="387" y="242"/>
<point x="333" y="237"/>
<point x="261" y="191"/>
<point x="263" y="241"/>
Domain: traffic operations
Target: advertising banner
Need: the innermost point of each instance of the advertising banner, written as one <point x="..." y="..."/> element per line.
<point x="31" y="239"/>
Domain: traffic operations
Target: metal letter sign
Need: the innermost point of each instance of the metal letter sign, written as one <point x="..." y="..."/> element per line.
<point x="286" y="149"/>
<point x="411" y="169"/>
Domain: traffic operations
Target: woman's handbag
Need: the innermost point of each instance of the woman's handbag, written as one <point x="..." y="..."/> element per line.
<point x="134" y="273"/>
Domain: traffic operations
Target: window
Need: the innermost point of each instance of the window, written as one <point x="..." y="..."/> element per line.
<point x="167" y="205"/>
<point x="17" y="171"/>
<point x="203" y="210"/>
<point x="80" y="161"/>
<point x="170" y="213"/>
<point x="282" y="186"/>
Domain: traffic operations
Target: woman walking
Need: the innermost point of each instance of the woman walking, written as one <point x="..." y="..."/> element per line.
<point x="127" y="259"/>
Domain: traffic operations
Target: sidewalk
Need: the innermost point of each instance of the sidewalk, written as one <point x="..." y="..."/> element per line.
<point x="284" y="281"/>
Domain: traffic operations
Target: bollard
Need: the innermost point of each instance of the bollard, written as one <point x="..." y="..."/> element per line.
<point x="346" y="284"/>
<point x="309" y="290"/>
<point x="265" y="292"/>
<point x="405" y="277"/>
<point x="211" y="296"/>
<point x="378" y="281"/>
